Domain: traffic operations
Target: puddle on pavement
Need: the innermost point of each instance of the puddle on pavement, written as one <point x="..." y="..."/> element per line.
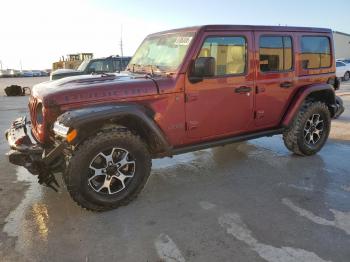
<point x="273" y="144"/>
<point x="178" y="159"/>
<point x="17" y="223"/>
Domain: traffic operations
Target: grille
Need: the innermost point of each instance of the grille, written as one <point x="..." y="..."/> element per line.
<point x="32" y="109"/>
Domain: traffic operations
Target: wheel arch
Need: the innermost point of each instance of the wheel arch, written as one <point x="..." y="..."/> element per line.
<point x="136" y="118"/>
<point x="319" y="92"/>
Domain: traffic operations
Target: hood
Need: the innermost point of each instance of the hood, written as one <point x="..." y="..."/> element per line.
<point x="88" y="88"/>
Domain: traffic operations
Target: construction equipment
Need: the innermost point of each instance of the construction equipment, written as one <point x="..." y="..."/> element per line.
<point x="71" y="61"/>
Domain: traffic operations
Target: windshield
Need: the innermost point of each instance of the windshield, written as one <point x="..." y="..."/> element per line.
<point x="83" y="65"/>
<point x="164" y="52"/>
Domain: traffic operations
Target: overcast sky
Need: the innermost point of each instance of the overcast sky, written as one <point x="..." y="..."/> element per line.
<point x="38" y="32"/>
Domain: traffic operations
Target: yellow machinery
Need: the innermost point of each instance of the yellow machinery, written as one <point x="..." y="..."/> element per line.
<point x="71" y="61"/>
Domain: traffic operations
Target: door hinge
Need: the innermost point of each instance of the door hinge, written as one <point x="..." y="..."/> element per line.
<point x="259" y="90"/>
<point x="190" y="125"/>
<point x="259" y="114"/>
<point x="191" y="97"/>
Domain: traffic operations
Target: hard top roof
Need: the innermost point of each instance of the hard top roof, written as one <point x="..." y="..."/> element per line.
<point x="247" y="27"/>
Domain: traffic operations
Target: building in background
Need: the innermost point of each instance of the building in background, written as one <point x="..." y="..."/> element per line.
<point x="342" y="44"/>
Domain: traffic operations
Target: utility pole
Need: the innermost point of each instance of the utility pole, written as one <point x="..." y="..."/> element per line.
<point x="121" y="41"/>
<point x="0" y="65"/>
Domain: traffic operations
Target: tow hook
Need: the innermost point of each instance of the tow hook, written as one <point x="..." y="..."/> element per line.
<point x="45" y="176"/>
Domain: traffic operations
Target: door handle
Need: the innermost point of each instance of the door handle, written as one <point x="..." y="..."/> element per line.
<point x="286" y="84"/>
<point x="243" y="89"/>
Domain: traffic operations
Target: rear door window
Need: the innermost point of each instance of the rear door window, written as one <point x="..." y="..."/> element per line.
<point x="315" y="52"/>
<point x="276" y="53"/>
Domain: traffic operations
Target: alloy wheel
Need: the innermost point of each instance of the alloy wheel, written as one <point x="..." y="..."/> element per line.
<point x="111" y="171"/>
<point x="313" y="129"/>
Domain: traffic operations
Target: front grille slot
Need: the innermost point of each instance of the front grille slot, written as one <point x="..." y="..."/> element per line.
<point x="32" y="108"/>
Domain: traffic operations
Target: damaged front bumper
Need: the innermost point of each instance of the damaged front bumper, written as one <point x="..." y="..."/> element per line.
<point x="26" y="152"/>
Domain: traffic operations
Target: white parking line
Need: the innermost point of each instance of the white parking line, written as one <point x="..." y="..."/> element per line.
<point x="167" y="249"/>
<point x="235" y="227"/>
<point x="346" y="188"/>
<point x="206" y="205"/>
<point x="341" y="219"/>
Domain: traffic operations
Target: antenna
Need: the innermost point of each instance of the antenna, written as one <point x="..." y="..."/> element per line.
<point x="121" y="41"/>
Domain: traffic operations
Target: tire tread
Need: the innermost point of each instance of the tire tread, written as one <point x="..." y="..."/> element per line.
<point x="291" y="134"/>
<point x="88" y="145"/>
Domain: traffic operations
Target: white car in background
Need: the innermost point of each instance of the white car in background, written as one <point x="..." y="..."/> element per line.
<point x="342" y="70"/>
<point x="345" y="60"/>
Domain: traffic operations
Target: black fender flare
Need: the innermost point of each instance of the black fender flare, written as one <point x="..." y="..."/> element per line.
<point x="91" y="117"/>
<point x="323" y="92"/>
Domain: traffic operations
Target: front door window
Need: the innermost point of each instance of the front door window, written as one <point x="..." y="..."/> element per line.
<point x="229" y="53"/>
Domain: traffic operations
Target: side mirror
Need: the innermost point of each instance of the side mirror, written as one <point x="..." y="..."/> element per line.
<point x="202" y="67"/>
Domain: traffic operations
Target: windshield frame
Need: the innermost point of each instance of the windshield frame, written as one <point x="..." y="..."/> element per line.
<point x="82" y="67"/>
<point x="153" y="68"/>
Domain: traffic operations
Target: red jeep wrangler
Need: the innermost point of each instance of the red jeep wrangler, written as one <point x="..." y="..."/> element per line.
<point x="184" y="90"/>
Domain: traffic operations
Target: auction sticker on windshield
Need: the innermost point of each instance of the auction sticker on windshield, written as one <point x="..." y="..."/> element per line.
<point x="183" y="40"/>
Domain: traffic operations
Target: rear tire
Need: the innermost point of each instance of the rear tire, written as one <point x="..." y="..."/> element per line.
<point x="346" y="76"/>
<point x="309" y="130"/>
<point x="108" y="170"/>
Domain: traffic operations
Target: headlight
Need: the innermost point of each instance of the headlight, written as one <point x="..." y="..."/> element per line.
<point x="60" y="129"/>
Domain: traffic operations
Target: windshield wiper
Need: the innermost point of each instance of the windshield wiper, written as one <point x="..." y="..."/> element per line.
<point x="133" y="67"/>
<point x="150" y="70"/>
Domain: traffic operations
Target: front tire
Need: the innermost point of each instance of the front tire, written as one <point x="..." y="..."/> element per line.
<point x="108" y="170"/>
<point x="309" y="130"/>
<point x="346" y="76"/>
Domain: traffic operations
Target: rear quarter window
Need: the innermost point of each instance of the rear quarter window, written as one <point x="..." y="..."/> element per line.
<point x="316" y="52"/>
